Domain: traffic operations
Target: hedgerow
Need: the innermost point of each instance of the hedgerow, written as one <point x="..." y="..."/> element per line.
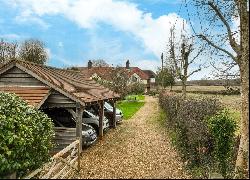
<point x="199" y="124"/>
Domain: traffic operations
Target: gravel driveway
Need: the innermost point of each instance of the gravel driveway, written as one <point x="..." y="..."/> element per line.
<point x="135" y="149"/>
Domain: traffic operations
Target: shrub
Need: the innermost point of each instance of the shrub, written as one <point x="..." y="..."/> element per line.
<point x="25" y="136"/>
<point x="153" y="92"/>
<point x="222" y="128"/>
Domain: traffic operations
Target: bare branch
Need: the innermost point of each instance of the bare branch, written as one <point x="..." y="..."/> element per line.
<point x="232" y="41"/>
<point x="195" y="71"/>
<point x="217" y="47"/>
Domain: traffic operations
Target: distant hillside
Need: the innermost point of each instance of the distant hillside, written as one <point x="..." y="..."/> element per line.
<point x="216" y="82"/>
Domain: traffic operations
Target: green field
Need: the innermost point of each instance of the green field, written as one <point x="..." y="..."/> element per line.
<point x="200" y="88"/>
<point x="129" y="107"/>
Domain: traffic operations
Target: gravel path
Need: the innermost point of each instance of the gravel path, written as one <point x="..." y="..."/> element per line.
<point x="137" y="148"/>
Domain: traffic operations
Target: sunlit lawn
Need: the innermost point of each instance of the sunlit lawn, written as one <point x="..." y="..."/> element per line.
<point x="135" y="97"/>
<point x="129" y="108"/>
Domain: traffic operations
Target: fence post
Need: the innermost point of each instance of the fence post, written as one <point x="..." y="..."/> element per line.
<point x="79" y="155"/>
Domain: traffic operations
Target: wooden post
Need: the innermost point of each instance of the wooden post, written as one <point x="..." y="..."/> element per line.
<point x="79" y="156"/>
<point x="114" y="114"/>
<point x="79" y="113"/>
<point x="101" y="115"/>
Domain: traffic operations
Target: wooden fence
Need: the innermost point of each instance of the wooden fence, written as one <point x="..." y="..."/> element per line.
<point x="62" y="165"/>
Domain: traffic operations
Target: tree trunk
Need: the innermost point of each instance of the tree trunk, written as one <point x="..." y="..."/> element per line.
<point x="242" y="162"/>
<point x="184" y="87"/>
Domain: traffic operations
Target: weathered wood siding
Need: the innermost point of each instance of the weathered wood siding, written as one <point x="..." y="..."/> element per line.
<point x="57" y="99"/>
<point x="63" y="137"/>
<point x="17" y="77"/>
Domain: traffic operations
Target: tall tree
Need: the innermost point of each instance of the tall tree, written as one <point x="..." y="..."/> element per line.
<point x="165" y="77"/>
<point x="225" y="14"/>
<point x="33" y="50"/>
<point x="119" y="81"/>
<point x="180" y="58"/>
<point x="8" y="51"/>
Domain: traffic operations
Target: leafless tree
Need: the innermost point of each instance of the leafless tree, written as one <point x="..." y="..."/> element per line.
<point x="99" y="63"/>
<point x="234" y="43"/>
<point x="8" y="51"/>
<point x="33" y="50"/>
<point x="180" y="58"/>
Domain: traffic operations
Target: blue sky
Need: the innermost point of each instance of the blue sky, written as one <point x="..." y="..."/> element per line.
<point x="75" y="31"/>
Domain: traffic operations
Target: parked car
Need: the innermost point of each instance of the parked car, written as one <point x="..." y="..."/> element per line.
<point x="93" y="120"/>
<point x="62" y="118"/>
<point x="108" y="111"/>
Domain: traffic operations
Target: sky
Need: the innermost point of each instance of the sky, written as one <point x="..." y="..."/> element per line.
<point x="75" y="31"/>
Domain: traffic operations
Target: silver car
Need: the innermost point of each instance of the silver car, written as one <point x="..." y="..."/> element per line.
<point x="108" y="109"/>
<point x="89" y="134"/>
<point x="93" y="120"/>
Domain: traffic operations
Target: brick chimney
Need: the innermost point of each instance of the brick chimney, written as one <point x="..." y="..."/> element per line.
<point x="90" y="64"/>
<point x="127" y="64"/>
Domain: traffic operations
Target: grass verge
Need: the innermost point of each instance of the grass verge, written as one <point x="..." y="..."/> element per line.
<point x="129" y="108"/>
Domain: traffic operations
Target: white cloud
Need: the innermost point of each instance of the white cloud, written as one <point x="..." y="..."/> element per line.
<point x="147" y="64"/>
<point x="123" y="16"/>
<point x="10" y="36"/>
<point x="48" y="51"/>
<point x="27" y="16"/>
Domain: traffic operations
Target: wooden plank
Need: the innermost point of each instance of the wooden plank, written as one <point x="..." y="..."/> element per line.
<point x="20" y="83"/>
<point x="114" y="114"/>
<point x="19" y="79"/>
<point x="79" y="113"/>
<point x="30" y="95"/>
<point x="66" y="149"/>
<point x="101" y="115"/>
<point x="16" y="75"/>
<point x="53" y="105"/>
<point x="59" y="101"/>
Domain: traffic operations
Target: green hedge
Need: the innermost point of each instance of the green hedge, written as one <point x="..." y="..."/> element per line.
<point x="25" y="136"/>
<point x="199" y="124"/>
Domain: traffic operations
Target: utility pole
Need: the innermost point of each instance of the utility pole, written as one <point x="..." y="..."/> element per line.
<point x="161" y="61"/>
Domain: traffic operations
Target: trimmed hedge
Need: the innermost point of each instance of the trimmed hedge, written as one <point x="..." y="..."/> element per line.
<point x="25" y="136"/>
<point x="198" y="123"/>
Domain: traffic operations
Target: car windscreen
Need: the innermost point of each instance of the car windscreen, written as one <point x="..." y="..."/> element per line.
<point x="108" y="106"/>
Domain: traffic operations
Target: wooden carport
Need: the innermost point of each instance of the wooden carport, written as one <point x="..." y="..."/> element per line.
<point x="49" y="87"/>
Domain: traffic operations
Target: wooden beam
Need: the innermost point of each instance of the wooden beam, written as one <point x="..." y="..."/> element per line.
<point x="72" y="112"/>
<point x="79" y="113"/>
<point x="101" y="115"/>
<point x="114" y="114"/>
<point x="50" y="105"/>
<point x="43" y="100"/>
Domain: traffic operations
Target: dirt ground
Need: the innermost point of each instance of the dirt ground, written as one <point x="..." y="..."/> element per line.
<point x="135" y="149"/>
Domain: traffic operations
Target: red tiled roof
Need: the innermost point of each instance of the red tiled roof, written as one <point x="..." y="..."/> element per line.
<point x="139" y="72"/>
<point x="73" y="83"/>
<point x="33" y="95"/>
<point x="105" y="72"/>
